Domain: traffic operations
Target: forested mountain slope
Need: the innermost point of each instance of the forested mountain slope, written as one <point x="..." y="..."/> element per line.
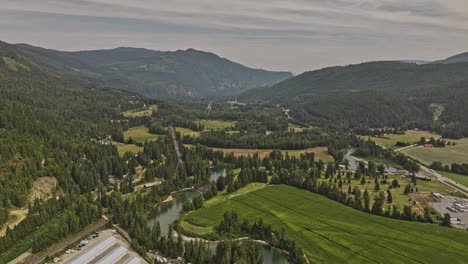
<point x="182" y="73"/>
<point x="376" y="94"/>
<point x="463" y="57"/>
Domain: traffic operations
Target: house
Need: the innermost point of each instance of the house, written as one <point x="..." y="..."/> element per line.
<point x="428" y="145"/>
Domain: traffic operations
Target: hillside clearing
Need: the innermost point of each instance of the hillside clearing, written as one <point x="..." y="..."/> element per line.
<point x="138" y="113"/>
<point x="330" y="232"/>
<point x="16" y="216"/>
<point x="447" y="155"/>
<point x="42" y="188"/>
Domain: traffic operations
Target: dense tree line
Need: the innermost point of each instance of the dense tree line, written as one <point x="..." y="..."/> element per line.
<point x="454" y="167"/>
<point x="279" y="140"/>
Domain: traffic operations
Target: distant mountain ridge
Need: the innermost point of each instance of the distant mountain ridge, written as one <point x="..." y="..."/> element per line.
<point x="376" y="94"/>
<point x="164" y="74"/>
<point x="462" y="57"/>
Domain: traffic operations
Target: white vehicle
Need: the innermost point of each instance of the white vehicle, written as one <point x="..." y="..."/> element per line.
<point x="55" y="260"/>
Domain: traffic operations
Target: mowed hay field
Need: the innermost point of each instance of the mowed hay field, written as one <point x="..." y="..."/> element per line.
<point x="447" y="155"/>
<point x="321" y="153"/>
<point x="330" y="232"/>
<point x="139" y="134"/>
<point x="462" y="179"/>
<point x="410" y="136"/>
<point x="186" y="131"/>
<point x="124" y="148"/>
<point x="215" y="124"/>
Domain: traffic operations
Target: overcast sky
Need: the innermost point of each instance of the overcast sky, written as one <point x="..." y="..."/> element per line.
<point x="294" y="35"/>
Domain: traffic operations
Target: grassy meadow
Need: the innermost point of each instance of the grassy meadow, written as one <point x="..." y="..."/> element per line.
<point x="139" y="134"/>
<point x="447" y="155"/>
<point x="187" y="131"/>
<point x="330" y="232"/>
<point x="462" y="179"/>
<point x="215" y="124"/>
<point x="410" y="136"/>
<point x="321" y="153"/>
<point x="138" y="113"/>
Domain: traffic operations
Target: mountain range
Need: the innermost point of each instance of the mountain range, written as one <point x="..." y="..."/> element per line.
<point x="161" y="74"/>
<point x="378" y="94"/>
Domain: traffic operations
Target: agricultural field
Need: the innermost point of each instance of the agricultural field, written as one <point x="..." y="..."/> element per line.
<point x="215" y="124"/>
<point x="321" y="153"/>
<point x="410" y="136"/>
<point x="462" y="179"/>
<point x="139" y="134"/>
<point x="186" y="131"/>
<point x="330" y="232"/>
<point x="124" y="148"/>
<point x="138" y="113"/>
<point x="447" y="155"/>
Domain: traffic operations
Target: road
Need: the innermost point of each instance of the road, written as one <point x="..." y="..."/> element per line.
<point x="176" y="144"/>
<point x="36" y="259"/>
<point x="209" y="107"/>
<point x="451" y="183"/>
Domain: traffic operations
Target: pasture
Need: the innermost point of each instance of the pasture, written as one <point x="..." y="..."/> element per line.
<point x="186" y="131"/>
<point x="139" y="134"/>
<point x="321" y="153"/>
<point x="447" y="155"/>
<point x="330" y="232"/>
<point x="124" y="148"/>
<point x="410" y="136"/>
<point x="215" y="124"/>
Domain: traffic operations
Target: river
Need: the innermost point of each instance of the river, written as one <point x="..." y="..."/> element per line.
<point x="169" y="211"/>
<point x="354" y="163"/>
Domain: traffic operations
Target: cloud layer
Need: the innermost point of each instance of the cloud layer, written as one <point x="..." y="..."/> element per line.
<point x="296" y="35"/>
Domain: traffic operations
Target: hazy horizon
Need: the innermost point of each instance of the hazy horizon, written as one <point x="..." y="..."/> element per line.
<point x="294" y="36"/>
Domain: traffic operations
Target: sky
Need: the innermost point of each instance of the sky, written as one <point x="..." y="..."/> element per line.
<point x="291" y="35"/>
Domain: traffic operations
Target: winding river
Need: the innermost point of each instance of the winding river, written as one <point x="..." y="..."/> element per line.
<point x="354" y="162"/>
<point x="169" y="211"/>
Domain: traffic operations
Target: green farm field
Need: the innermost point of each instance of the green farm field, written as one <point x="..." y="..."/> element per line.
<point x="447" y="155"/>
<point x="139" y="134"/>
<point x="330" y="232"/>
<point x="410" y="136"/>
<point x="462" y="179"/>
<point x="216" y="124"/>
